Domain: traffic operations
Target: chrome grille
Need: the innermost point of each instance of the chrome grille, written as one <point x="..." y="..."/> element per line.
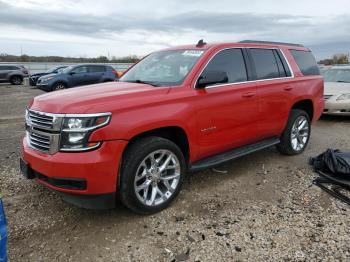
<point x="40" y="120"/>
<point x="43" y="130"/>
<point x="39" y="141"/>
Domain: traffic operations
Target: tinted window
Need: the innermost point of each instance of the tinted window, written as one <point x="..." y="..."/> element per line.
<point x="306" y="62"/>
<point x="80" y="69"/>
<point x="230" y="61"/>
<point x="265" y="63"/>
<point x="3" y="68"/>
<point x="97" y="69"/>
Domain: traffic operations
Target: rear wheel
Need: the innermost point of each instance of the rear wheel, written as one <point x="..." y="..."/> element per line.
<point x="151" y="175"/>
<point x="59" y="86"/>
<point x="16" y="80"/>
<point x="297" y="133"/>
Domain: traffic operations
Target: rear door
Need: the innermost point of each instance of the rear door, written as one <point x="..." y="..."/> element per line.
<point x="96" y="73"/>
<point x="227" y="113"/>
<point x="273" y="83"/>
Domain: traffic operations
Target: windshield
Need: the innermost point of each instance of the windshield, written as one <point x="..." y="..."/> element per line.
<point x="51" y="70"/>
<point x="165" y="68"/>
<point x="337" y="75"/>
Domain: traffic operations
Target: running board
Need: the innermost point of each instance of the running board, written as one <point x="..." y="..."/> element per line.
<point x="232" y="154"/>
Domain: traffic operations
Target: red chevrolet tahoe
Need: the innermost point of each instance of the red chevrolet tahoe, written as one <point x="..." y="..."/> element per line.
<point x="178" y="110"/>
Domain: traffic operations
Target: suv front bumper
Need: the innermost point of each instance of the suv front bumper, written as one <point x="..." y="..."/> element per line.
<point x="87" y="179"/>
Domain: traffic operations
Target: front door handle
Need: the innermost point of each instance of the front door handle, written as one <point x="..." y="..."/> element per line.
<point x="288" y="88"/>
<point x="248" y="94"/>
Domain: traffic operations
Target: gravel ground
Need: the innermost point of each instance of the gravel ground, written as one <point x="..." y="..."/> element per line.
<point x="261" y="207"/>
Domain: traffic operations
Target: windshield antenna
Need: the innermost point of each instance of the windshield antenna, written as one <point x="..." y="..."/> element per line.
<point x="201" y="43"/>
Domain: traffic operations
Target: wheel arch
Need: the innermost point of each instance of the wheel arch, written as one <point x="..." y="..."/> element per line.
<point x="15" y="75"/>
<point x="175" y="134"/>
<point x="306" y="105"/>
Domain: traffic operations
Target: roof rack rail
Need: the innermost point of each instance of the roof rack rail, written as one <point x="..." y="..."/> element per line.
<point x="269" y="42"/>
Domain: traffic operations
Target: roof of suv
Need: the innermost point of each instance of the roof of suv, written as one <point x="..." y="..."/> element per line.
<point x="246" y="43"/>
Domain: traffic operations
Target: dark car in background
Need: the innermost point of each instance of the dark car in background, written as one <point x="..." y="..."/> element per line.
<point x="34" y="77"/>
<point x="77" y="75"/>
<point x="13" y="74"/>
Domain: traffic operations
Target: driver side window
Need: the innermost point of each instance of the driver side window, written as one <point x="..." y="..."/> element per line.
<point x="231" y="62"/>
<point x="80" y="69"/>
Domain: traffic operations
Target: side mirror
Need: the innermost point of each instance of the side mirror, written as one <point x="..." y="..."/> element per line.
<point x="72" y="73"/>
<point x="211" y="77"/>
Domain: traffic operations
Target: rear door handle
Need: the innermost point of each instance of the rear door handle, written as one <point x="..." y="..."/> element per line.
<point x="288" y="88"/>
<point x="248" y="94"/>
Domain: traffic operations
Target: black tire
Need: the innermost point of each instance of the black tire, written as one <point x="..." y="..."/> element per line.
<point x="286" y="146"/>
<point x="133" y="157"/>
<point x="59" y="86"/>
<point x="16" y="80"/>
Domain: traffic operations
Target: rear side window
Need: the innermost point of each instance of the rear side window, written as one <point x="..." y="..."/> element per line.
<point x="97" y="69"/>
<point x="306" y="62"/>
<point x="230" y="61"/>
<point x="265" y="62"/>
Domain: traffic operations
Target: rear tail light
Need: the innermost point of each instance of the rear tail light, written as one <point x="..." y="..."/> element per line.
<point x="115" y="72"/>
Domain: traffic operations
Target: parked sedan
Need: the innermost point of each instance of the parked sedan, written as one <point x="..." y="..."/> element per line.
<point x="337" y="90"/>
<point x="77" y="75"/>
<point x="34" y="77"/>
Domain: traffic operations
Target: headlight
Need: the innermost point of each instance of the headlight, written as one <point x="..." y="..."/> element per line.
<point x="344" y="97"/>
<point x="78" y="128"/>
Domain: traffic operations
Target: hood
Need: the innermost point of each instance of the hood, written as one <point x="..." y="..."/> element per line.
<point x="48" y="75"/>
<point x="335" y="88"/>
<point x="99" y="98"/>
<point x="38" y="74"/>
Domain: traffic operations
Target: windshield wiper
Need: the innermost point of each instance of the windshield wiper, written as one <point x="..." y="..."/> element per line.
<point x="342" y="81"/>
<point x="143" y="82"/>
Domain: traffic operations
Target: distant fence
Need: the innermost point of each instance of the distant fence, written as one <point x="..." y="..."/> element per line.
<point x="36" y="67"/>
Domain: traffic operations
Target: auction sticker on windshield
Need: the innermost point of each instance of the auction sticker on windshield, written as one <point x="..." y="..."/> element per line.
<point x="192" y="53"/>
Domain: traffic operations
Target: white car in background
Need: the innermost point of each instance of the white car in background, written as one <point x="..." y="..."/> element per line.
<point x="337" y="90"/>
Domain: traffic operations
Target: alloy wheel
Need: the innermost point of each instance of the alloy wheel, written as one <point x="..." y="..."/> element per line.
<point x="300" y="133"/>
<point x="157" y="177"/>
<point x="60" y="87"/>
<point x="17" y="80"/>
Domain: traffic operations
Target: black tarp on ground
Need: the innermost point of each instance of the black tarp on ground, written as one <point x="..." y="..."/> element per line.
<point x="333" y="166"/>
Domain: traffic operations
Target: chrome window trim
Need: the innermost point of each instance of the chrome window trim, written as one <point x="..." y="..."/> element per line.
<point x="248" y="81"/>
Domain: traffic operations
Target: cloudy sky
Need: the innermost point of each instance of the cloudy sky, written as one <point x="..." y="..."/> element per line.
<point x="128" y="27"/>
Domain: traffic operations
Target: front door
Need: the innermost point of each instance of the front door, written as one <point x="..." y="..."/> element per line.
<point x="79" y="76"/>
<point x="227" y="113"/>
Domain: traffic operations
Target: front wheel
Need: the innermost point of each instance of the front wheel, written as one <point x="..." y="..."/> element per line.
<point x="59" y="86"/>
<point x="16" y="80"/>
<point x="151" y="175"/>
<point x="296" y="134"/>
